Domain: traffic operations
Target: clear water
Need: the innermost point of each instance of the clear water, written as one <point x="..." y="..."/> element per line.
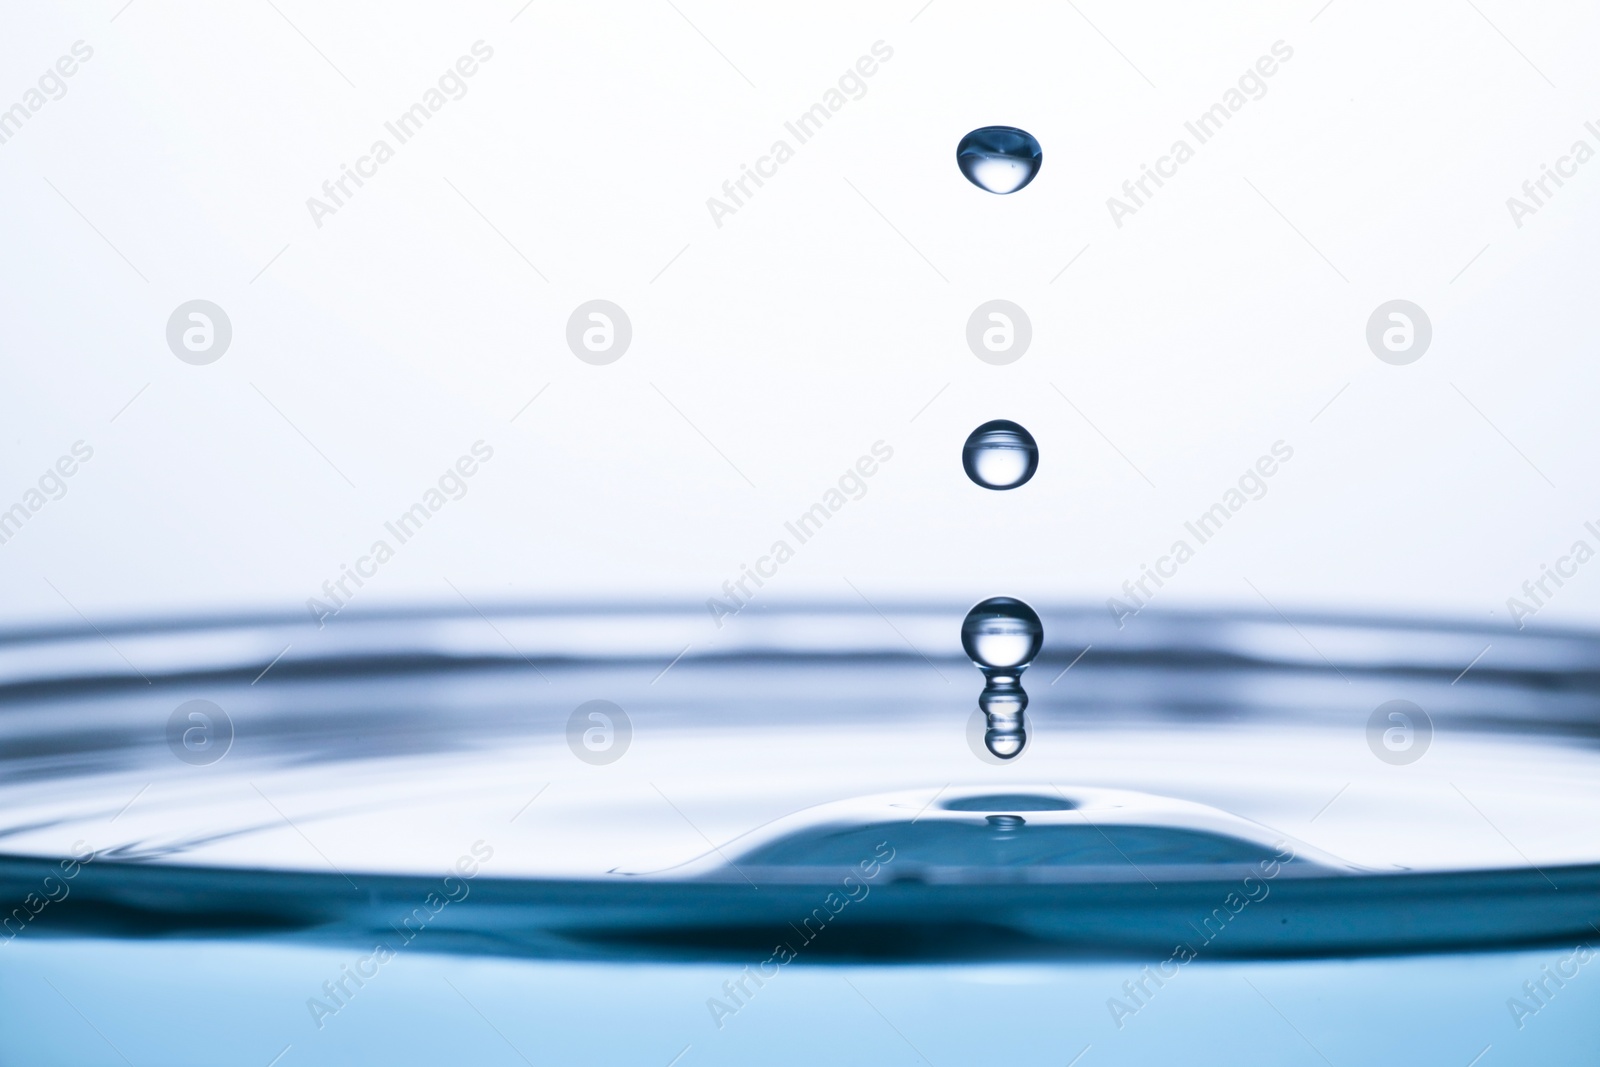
<point x="1000" y="455"/>
<point x="999" y="159"/>
<point x="790" y="852"/>
<point x="1002" y="636"/>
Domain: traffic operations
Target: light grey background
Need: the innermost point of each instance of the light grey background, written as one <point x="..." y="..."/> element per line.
<point x="826" y="314"/>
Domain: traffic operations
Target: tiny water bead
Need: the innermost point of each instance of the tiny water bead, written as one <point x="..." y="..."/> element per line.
<point x="1000" y="159"/>
<point x="1000" y="455"/>
<point x="1005" y="825"/>
<point x="1001" y="636"/>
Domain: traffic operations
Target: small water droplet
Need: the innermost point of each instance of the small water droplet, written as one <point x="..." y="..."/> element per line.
<point x="1001" y="159"/>
<point x="1000" y="455"/>
<point x="1006" y="825"/>
<point x="1002" y="635"/>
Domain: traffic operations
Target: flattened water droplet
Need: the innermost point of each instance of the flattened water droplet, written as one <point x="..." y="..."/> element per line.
<point x="1002" y="635"/>
<point x="1001" y="159"/>
<point x="1006" y="825"/>
<point x="1000" y="455"/>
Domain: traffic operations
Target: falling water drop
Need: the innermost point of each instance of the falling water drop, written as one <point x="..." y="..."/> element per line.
<point x="1002" y="635"/>
<point x="1000" y="455"/>
<point x="1001" y="159"/>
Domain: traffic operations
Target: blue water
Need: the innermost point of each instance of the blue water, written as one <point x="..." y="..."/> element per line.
<point x="189" y="1002"/>
<point x="409" y="842"/>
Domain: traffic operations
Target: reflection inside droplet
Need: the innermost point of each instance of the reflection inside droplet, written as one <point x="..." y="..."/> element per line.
<point x="1001" y="159"/>
<point x="1000" y="455"/>
<point x="1002" y="635"/>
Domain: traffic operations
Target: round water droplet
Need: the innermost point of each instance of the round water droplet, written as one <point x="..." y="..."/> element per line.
<point x="994" y="748"/>
<point x="1000" y="455"/>
<point x="1002" y="634"/>
<point x="1001" y="159"/>
<point x="1006" y="740"/>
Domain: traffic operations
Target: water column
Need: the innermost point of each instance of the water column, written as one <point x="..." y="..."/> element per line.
<point x="1001" y="635"/>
